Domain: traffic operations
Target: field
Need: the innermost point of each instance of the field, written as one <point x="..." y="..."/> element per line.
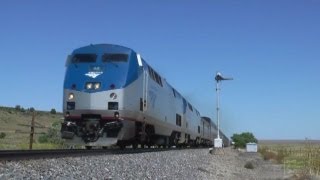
<point x="301" y="156"/>
<point x="15" y="127"/>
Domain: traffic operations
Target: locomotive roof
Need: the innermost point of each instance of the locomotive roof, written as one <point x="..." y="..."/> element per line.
<point x="98" y="48"/>
<point x="207" y="119"/>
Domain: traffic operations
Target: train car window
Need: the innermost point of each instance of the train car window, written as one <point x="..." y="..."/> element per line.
<point x="174" y="92"/>
<point x="190" y="107"/>
<point x="158" y="78"/>
<point x="197" y="112"/>
<point x="155" y="76"/>
<point x="178" y="120"/>
<point x="84" y="58"/>
<point x="149" y="70"/>
<point x="184" y="105"/>
<point x="151" y="74"/>
<point x="115" y="58"/>
<point x="160" y="81"/>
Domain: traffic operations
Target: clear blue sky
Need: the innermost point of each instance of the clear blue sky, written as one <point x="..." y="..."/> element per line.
<point x="271" y="48"/>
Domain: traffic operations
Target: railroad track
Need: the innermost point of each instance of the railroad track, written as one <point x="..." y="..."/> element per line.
<point x="16" y="155"/>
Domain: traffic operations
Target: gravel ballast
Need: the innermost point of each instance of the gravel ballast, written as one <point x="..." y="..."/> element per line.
<point x="175" y="164"/>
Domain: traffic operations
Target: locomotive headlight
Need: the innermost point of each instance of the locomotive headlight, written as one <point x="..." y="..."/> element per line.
<point x="71" y="96"/>
<point x="116" y="115"/>
<point x="97" y="85"/>
<point x="89" y="86"/>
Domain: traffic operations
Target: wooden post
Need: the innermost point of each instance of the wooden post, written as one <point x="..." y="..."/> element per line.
<point x="32" y="130"/>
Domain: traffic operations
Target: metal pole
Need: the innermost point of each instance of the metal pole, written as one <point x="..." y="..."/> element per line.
<point x="219" y="78"/>
<point x="218" y="107"/>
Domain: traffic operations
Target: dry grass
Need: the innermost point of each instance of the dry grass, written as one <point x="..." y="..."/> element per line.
<point x="268" y="154"/>
<point x="303" y="158"/>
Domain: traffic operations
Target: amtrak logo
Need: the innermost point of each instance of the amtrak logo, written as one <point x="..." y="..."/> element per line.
<point x="94" y="74"/>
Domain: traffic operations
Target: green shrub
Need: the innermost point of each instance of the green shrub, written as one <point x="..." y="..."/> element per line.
<point x="249" y="165"/>
<point x="53" y="111"/>
<point x="43" y="138"/>
<point x="18" y="107"/>
<point x="52" y="136"/>
<point x="56" y="124"/>
<point x="240" y="140"/>
<point x="2" y="135"/>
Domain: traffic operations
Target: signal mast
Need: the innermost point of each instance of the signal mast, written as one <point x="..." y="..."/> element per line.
<point x="219" y="78"/>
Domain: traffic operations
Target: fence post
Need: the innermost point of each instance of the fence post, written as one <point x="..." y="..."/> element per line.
<point x="32" y="130"/>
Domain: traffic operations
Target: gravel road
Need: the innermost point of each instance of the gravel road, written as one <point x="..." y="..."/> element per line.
<point x="177" y="164"/>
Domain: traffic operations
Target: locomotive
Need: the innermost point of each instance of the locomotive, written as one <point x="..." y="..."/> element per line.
<point x="112" y="96"/>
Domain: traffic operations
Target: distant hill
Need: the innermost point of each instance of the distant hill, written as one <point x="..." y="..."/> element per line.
<point x="15" y="124"/>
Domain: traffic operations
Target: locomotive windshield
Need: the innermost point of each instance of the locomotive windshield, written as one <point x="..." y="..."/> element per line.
<point x="84" y="58"/>
<point x="115" y="58"/>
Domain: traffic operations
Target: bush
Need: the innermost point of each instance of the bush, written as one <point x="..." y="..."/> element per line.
<point x="56" y="124"/>
<point x="53" y="111"/>
<point x="18" y="107"/>
<point x="269" y="155"/>
<point x="277" y="155"/>
<point x="2" y="135"/>
<point x="52" y="136"/>
<point x="31" y="109"/>
<point x="43" y="138"/>
<point x="240" y="140"/>
<point x="249" y="165"/>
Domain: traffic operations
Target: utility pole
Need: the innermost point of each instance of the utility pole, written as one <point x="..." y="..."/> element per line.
<point x="32" y="130"/>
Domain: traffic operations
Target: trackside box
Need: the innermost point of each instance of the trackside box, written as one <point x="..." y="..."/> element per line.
<point x="252" y="147"/>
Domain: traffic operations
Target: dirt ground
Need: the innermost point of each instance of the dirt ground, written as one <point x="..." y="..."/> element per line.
<point x="230" y="164"/>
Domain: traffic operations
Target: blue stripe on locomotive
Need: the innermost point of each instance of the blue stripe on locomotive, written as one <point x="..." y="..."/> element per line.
<point x="120" y="74"/>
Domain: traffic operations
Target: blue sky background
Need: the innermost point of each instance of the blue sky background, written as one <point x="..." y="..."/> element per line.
<point x="271" y="48"/>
